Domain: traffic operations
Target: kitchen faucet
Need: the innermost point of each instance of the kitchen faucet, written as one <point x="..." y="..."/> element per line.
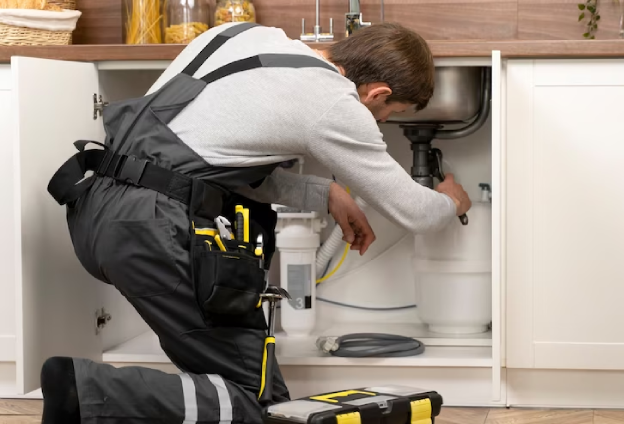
<point x="353" y="19"/>
<point x="317" y="35"/>
<point x="353" y="22"/>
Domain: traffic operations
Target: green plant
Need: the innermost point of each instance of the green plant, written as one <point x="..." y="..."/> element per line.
<point x="589" y="10"/>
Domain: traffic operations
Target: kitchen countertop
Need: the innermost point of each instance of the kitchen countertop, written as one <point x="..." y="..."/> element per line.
<point x="440" y="49"/>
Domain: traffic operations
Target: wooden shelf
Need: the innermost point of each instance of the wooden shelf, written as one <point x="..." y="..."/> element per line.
<point x="94" y="53"/>
<point x="440" y="49"/>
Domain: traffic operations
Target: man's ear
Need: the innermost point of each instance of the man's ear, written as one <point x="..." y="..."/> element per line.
<point x="374" y="92"/>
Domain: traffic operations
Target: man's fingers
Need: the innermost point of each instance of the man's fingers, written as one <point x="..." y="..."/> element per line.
<point x="348" y="234"/>
<point x="364" y="234"/>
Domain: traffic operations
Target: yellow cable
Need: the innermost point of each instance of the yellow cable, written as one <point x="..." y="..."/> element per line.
<point x="344" y="256"/>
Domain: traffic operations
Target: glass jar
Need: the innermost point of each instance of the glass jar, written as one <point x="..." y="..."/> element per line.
<point x="142" y="21"/>
<point x="621" y="4"/>
<point x="185" y="20"/>
<point x="234" y="11"/>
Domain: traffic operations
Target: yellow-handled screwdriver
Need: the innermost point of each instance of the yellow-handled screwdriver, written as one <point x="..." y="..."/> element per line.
<point x="240" y="223"/>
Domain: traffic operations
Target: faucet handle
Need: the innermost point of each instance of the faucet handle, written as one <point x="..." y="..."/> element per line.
<point x="354" y="21"/>
<point x="317" y="35"/>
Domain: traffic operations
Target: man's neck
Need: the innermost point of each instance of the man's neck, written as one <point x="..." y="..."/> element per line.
<point x="325" y="55"/>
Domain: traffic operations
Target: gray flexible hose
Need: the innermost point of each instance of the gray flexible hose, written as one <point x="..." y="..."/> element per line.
<point x="362" y="345"/>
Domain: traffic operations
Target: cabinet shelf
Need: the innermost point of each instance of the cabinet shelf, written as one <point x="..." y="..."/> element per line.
<point x="464" y="352"/>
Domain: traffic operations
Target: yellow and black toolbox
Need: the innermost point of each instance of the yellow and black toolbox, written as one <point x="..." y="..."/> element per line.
<point x="373" y="405"/>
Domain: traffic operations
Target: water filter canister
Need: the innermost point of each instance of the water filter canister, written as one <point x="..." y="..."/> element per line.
<point x="297" y="241"/>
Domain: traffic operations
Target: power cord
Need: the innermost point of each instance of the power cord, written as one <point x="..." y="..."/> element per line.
<point x="362" y="345"/>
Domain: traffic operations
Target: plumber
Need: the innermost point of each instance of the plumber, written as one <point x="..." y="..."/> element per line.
<point x="207" y="140"/>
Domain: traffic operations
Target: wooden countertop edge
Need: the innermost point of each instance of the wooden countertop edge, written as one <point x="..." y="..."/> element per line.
<point x="440" y="49"/>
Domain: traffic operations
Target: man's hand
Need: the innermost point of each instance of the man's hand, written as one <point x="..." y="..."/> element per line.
<point x="456" y="192"/>
<point x="355" y="227"/>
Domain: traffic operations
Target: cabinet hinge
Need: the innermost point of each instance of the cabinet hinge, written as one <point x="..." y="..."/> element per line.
<point x="101" y="319"/>
<point x="98" y="106"/>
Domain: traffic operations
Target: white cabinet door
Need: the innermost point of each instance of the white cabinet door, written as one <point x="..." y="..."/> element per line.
<point x="55" y="304"/>
<point x="565" y="214"/>
<point x="7" y="257"/>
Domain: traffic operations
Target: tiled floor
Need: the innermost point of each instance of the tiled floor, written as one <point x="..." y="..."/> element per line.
<point x="29" y="412"/>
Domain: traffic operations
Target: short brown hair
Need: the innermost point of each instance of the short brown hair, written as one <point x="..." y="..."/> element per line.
<point x="389" y="53"/>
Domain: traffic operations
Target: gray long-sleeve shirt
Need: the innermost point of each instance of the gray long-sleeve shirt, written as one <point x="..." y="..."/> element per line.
<point x="270" y="115"/>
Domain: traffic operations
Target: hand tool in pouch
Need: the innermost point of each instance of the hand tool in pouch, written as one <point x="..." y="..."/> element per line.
<point x="259" y="251"/>
<point x="224" y="227"/>
<point x="220" y="243"/>
<point x="272" y="295"/>
<point x="242" y="223"/>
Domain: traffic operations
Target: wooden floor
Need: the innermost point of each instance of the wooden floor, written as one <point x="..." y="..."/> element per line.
<point x="29" y="412"/>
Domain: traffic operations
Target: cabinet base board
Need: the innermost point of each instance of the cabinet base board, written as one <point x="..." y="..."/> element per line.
<point x="565" y="388"/>
<point x="467" y="387"/>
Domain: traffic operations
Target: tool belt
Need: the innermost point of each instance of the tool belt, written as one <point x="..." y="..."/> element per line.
<point x="68" y="183"/>
<point x="228" y="274"/>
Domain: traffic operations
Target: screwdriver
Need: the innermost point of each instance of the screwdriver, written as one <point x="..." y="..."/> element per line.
<point x="259" y="250"/>
<point x="242" y="223"/>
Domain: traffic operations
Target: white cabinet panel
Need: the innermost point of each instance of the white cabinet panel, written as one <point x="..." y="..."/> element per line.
<point x="56" y="302"/>
<point x="7" y="254"/>
<point x="497" y="248"/>
<point x="565" y="150"/>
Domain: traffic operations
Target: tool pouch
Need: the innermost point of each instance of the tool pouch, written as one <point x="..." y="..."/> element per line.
<point x="226" y="282"/>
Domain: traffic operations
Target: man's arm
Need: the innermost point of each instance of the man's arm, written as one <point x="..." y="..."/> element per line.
<point x="306" y="192"/>
<point x="347" y="140"/>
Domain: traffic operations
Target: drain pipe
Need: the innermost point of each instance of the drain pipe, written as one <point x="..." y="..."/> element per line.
<point x="333" y="242"/>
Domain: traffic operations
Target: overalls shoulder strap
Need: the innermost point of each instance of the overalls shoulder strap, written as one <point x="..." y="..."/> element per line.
<point x="214" y="44"/>
<point x="69" y="182"/>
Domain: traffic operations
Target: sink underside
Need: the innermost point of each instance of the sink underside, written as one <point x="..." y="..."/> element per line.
<point x="456" y="98"/>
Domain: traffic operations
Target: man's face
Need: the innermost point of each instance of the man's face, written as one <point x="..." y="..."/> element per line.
<point x="375" y="98"/>
<point x="383" y="110"/>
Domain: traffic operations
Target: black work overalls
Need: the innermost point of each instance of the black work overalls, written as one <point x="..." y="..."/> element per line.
<point x="132" y="225"/>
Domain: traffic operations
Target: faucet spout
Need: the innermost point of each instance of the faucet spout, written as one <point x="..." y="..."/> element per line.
<point x="354" y="7"/>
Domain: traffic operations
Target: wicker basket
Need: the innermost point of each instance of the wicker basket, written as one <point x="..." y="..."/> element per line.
<point x="19" y="36"/>
<point x="21" y="27"/>
<point x="65" y="4"/>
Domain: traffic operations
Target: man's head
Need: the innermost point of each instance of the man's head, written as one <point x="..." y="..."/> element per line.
<point x="391" y="66"/>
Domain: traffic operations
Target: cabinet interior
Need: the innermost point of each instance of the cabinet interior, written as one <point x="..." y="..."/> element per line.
<point x="127" y="339"/>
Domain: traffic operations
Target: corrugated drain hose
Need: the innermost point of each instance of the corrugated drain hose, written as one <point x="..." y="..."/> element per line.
<point x="359" y="345"/>
<point x="363" y="345"/>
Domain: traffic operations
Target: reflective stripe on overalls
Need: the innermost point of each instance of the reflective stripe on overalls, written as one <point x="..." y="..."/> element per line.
<point x="133" y="225"/>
